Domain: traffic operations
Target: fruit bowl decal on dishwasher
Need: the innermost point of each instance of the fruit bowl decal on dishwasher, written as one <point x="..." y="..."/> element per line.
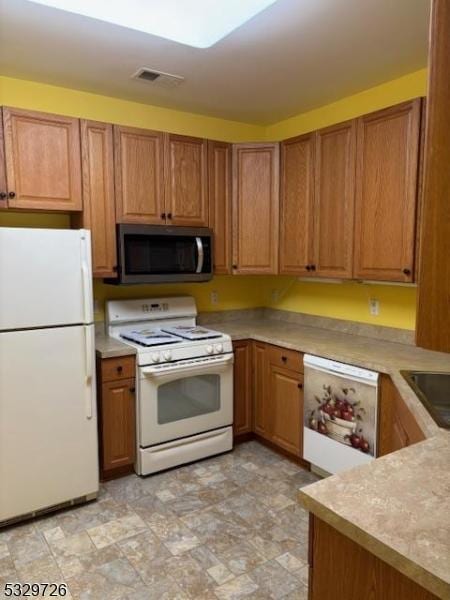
<point x="343" y="413"/>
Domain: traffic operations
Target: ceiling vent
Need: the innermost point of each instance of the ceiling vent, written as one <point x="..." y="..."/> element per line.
<point x="157" y="77"/>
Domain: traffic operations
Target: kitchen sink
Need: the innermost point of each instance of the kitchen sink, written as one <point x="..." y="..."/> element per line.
<point x="433" y="390"/>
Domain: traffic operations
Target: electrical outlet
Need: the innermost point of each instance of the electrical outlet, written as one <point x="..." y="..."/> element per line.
<point x="275" y="295"/>
<point x="214" y="297"/>
<point x="374" y="307"/>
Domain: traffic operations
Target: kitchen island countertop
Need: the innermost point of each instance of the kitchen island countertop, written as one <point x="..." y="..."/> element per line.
<point x="397" y="507"/>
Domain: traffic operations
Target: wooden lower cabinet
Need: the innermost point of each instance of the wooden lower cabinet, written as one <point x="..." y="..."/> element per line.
<point x="397" y="426"/>
<point x="242" y="408"/>
<point x="268" y="398"/>
<point x="117" y="416"/>
<point x="261" y="414"/>
<point x="285" y="398"/>
<point x="340" y="569"/>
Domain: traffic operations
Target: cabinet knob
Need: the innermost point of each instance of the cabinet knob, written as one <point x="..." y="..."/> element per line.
<point x="163" y="216"/>
<point x="119" y="369"/>
<point x="235" y="266"/>
<point x="12" y="194"/>
<point x="3" y="195"/>
<point x="308" y="267"/>
<point x="132" y="390"/>
<point x="313" y="267"/>
<point x="284" y="358"/>
<point x="407" y="271"/>
<point x="169" y="215"/>
<point x="300" y="386"/>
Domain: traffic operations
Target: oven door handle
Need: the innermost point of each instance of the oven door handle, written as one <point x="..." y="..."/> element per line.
<point x="200" y="253"/>
<point x="200" y="367"/>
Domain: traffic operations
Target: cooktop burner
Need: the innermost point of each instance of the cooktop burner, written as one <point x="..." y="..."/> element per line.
<point x="150" y="337"/>
<point x="192" y="332"/>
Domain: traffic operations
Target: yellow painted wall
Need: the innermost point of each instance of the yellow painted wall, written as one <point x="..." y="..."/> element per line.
<point x="345" y="301"/>
<point x="234" y="292"/>
<point x="381" y="96"/>
<point x="49" y="98"/>
<point x="349" y="300"/>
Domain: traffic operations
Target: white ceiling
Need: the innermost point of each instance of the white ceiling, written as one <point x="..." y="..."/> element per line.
<point x="294" y="56"/>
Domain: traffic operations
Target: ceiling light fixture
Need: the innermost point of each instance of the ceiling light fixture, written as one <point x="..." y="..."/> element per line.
<point x="199" y="23"/>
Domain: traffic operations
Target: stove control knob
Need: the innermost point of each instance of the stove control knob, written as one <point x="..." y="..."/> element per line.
<point x="219" y="348"/>
<point x="209" y="349"/>
<point x="167" y="355"/>
<point x="155" y="357"/>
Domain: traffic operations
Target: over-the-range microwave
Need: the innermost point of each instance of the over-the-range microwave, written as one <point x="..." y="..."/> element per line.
<point x="160" y="254"/>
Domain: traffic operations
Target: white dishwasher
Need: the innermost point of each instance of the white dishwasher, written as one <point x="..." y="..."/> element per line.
<point x="340" y="414"/>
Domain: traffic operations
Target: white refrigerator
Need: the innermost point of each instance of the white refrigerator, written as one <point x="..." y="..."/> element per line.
<point x="48" y="424"/>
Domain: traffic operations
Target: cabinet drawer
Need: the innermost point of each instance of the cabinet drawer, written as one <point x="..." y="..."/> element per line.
<point x="121" y="367"/>
<point x="289" y="359"/>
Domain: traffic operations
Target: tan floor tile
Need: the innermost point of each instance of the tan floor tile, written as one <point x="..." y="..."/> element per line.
<point x="116" y="530"/>
<point x="290" y="562"/>
<point x="220" y="574"/>
<point x="239" y="587"/>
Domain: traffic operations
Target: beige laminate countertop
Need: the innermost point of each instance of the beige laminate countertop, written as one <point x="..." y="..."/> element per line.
<point x="378" y="355"/>
<point x="108" y="347"/>
<point x="397" y="507"/>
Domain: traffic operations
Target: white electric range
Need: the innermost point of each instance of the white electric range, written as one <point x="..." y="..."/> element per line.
<point x="184" y="381"/>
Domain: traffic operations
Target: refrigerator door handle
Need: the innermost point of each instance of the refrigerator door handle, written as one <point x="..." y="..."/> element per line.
<point x="86" y="277"/>
<point x="89" y="358"/>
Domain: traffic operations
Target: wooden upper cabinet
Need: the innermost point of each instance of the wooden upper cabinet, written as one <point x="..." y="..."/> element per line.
<point x="98" y="195"/>
<point x="139" y="175"/>
<point x="3" y="188"/>
<point x="219" y="181"/>
<point x="43" y="165"/>
<point x="296" y="207"/>
<point x="186" y="180"/>
<point x="255" y="208"/>
<point x="386" y="192"/>
<point x="334" y="200"/>
<point x="286" y="399"/>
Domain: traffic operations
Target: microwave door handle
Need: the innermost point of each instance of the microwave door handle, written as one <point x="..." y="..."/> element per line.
<point x="201" y="254"/>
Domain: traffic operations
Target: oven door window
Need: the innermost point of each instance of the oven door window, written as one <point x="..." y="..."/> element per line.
<point x="188" y="397"/>
<point x="160" y="254"/>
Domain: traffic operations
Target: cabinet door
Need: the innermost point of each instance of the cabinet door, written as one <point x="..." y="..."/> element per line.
<point x="255" y="208"/>
<point x="139" y="175"/>
<point x="242" y="419"/>
<point x="286" y="407"/>
<point x="386" y="192"/>
<point x="98" y="195"/>
<point x="186" y="180"/>
<point x="296" y="207"/>
<point x="3" y="191"/>
<point x="397" y="426"/>
<point x="219" y="181"/>
<point x="43" y="164"/>
<point x="261" y="416"/>
<point x="334" y="200"/>
<point x="118" y="423"/>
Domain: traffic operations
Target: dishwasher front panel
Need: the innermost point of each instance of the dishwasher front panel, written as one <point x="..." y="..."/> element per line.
<point x="340" y="414"/>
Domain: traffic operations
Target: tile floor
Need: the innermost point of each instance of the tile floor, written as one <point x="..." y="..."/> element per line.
<point x="225" y="528"/>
